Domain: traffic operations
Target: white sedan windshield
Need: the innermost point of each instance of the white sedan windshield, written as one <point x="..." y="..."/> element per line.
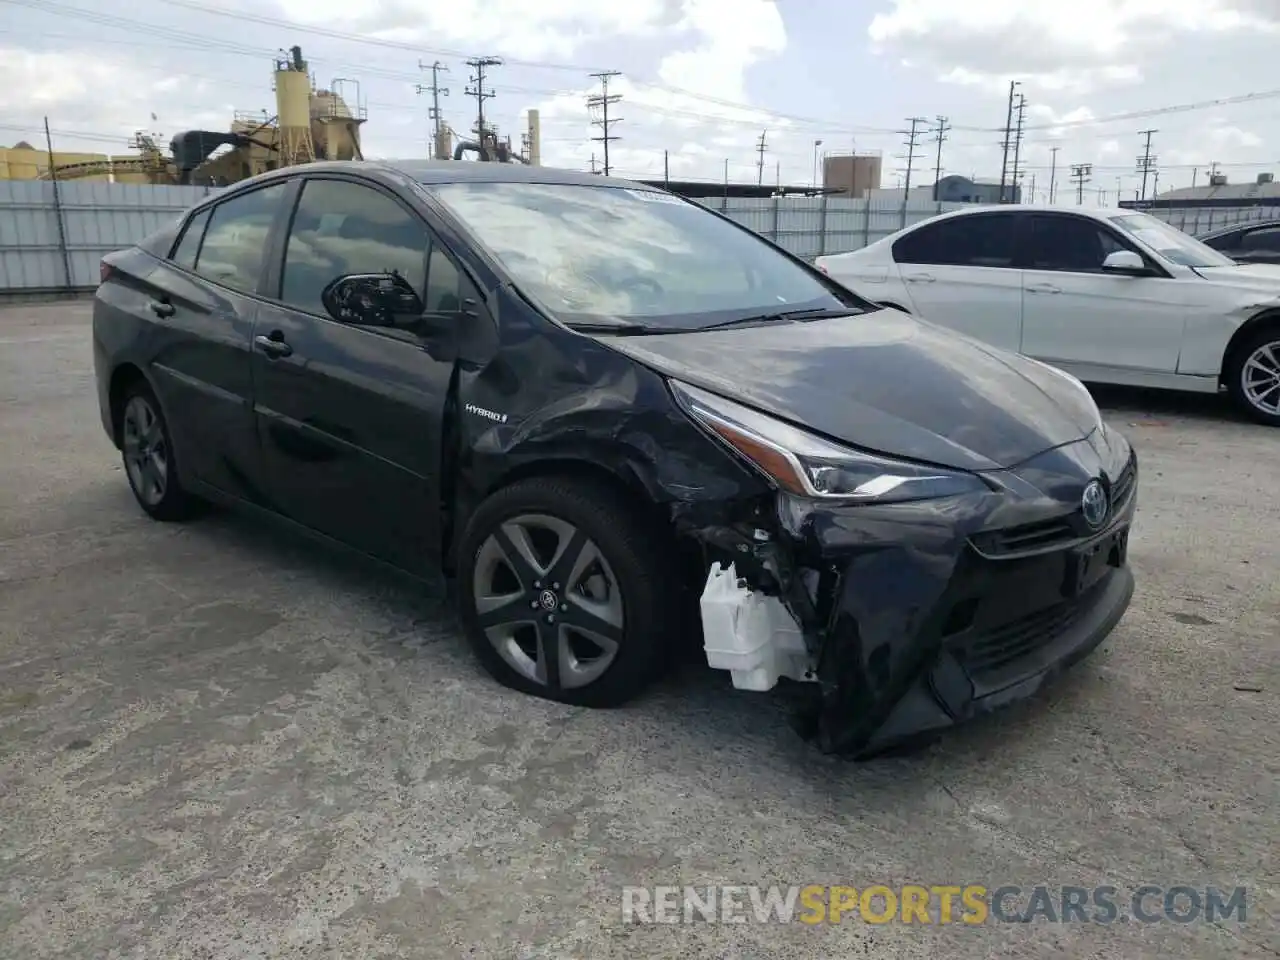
<point x="1170" y="242"/>
<point x="593" y="251"/>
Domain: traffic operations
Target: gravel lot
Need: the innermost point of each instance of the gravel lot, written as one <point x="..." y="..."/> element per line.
<point x="217" y="741"/>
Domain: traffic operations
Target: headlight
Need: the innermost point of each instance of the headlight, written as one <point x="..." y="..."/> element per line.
<point x="1076" y="382"/>
<point x="809" y="466"/>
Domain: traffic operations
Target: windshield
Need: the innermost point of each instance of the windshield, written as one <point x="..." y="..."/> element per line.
<point x="1170" y="242"/>
<point x="591" y="253"/>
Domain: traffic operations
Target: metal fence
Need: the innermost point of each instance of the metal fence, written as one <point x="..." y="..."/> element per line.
<point x="52" y="235"/>
<point x="1199" y="220"/>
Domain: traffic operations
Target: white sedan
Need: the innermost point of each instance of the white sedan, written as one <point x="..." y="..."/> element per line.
<point x="1108" y="295"/>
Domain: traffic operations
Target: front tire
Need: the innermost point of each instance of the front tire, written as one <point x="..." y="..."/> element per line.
<point x="564" y="592"/>
<point x="1253" y="377"/>
<point x="146" y="448"/>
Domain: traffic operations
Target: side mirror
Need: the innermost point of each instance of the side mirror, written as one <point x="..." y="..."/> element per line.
<point x="1125" y="261"/>
<point x="373" y="300"/>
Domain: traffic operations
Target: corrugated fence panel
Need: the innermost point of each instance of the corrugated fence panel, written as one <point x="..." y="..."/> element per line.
<point x="100" y="217"/>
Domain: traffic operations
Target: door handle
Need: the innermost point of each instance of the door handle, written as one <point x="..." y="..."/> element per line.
<point x="919" y="278"/>
<point x="1043" y="288"/>
<point x="161" y="308"/>
<point x="272" y="346"/>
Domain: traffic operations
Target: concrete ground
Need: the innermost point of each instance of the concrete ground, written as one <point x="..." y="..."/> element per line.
<point x="218" y="742"/>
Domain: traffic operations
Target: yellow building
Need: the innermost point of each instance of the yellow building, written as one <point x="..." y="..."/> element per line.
<point x="24" y="162"/>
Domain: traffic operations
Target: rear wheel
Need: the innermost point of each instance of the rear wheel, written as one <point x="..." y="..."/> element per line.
<point x="564" y="593"/>
<point x="149" y="463"/>
<point x="1253" y="377"/>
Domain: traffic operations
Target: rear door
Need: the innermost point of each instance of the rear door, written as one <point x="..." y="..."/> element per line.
<point x="1076" y="313"/>
<point x="350" y="413"/>
<point x="203" y="308"/>
<point x="960" y="273"/>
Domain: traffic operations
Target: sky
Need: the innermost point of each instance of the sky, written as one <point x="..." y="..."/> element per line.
<point x="700" y="80"/>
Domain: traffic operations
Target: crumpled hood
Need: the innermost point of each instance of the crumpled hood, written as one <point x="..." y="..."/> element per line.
<point x="885" y="382"/>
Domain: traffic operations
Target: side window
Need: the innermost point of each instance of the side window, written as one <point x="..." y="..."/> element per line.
<point x="967" y="241"/>
<point x="1264" y="240"/>
<point x="189" y="245"/>
<point x="445" y="283"/>
<point x="345" y="229"/>
<point x="1070" y="244"/>
<point x="235" y="240"/>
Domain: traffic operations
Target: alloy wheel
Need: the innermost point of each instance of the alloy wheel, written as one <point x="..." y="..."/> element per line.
<point x="548" y="601"/>
<point x="146" y="451"/>
<point x="1260" y="378"/>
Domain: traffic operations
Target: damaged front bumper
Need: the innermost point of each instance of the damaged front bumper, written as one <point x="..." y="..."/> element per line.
<point x="914" y="617"/>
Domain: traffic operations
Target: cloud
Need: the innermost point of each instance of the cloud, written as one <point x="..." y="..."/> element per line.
<point x="79" y="90"/>
<point x="699" y="88"/>
<point x="1078" y="46"/>
<point x="517" y="28"/>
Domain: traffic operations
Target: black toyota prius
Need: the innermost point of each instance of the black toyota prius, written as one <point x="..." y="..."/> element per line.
<point x="616" y="422"/>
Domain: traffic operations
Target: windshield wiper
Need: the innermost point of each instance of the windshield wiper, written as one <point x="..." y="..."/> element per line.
<point x="821" y="314"/>
<point x="621" y="327"/>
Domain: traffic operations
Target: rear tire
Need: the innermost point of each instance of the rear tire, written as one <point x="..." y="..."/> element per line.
<point x="565" y="594"/>
<point x="146" y="449"/>
<point x="1253" y="376"/>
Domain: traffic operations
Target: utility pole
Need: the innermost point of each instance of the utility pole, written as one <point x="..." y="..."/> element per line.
<point x="666" y="168"/>
<point x="433" y="113"/>
<point x="1008" y="133"/>
<point x="477" y="90"/>
<point x="1053" y="175"/>
<point x="1081" y="173"/>
<point x="912" y="136"/>
<point x="1119" y="189"/>
<point x="1017" y="147"/>
<point x="760" y="148"/>
<point x="602" y="100"/>
<point x="939" y="137"/>
<point x="1033" y="188"/>
<point x="1146" y="162"/>
<point x="593" y="163"/>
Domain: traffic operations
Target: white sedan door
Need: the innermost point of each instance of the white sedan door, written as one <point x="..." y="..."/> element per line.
<point x="959" y="273"/>
<point x="1075" y="313"/>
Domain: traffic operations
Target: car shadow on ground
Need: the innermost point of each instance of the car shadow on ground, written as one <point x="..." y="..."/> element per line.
<point x="1140" y="403"/>
<point x="695" y="709"/>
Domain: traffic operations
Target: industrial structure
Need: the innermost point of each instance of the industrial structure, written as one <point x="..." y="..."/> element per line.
<point x="309" y="123"/>
<point x="852" y="175"/>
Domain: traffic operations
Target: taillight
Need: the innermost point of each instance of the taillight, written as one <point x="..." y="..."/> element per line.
<point x="104" y="271"/>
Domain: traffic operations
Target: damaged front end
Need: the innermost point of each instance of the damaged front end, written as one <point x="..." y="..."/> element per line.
<point x="910" y="599"/>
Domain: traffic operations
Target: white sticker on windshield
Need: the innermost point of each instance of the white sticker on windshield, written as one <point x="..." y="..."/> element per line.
<point x="652" y="196"/>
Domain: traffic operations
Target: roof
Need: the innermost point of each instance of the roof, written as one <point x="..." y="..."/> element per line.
<point x="1097" y="213"/>
<point x="1228" y="191"/>
<point x="453" y="171"/>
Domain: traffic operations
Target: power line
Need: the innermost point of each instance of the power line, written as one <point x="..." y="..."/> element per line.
<point x="602" y="100"/>
<point x="1146" y="162"/>
<point x="206" y="42"/>
<point x="1081" y="173"/>
<point x="760" y="148"/>
<point x="433" y="113"/>
<point x="478" y="64"/>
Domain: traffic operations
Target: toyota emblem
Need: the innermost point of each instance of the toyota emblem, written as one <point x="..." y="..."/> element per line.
<point x="1093" y="504"/>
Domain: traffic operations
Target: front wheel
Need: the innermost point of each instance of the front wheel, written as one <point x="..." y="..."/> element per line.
<point x="1253" y="377"/>
<point x="564" y="593"/>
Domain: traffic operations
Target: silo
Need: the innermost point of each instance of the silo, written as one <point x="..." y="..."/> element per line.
<point x="293" y="109"/>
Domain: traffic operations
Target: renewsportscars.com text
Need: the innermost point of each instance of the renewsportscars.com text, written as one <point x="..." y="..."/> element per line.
<point x="934" y="904"/>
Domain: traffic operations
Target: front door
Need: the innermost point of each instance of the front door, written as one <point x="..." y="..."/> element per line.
<point x="1075" y="313"/>
<point x="350" y="412"/>
<point x="961" y="273"/>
